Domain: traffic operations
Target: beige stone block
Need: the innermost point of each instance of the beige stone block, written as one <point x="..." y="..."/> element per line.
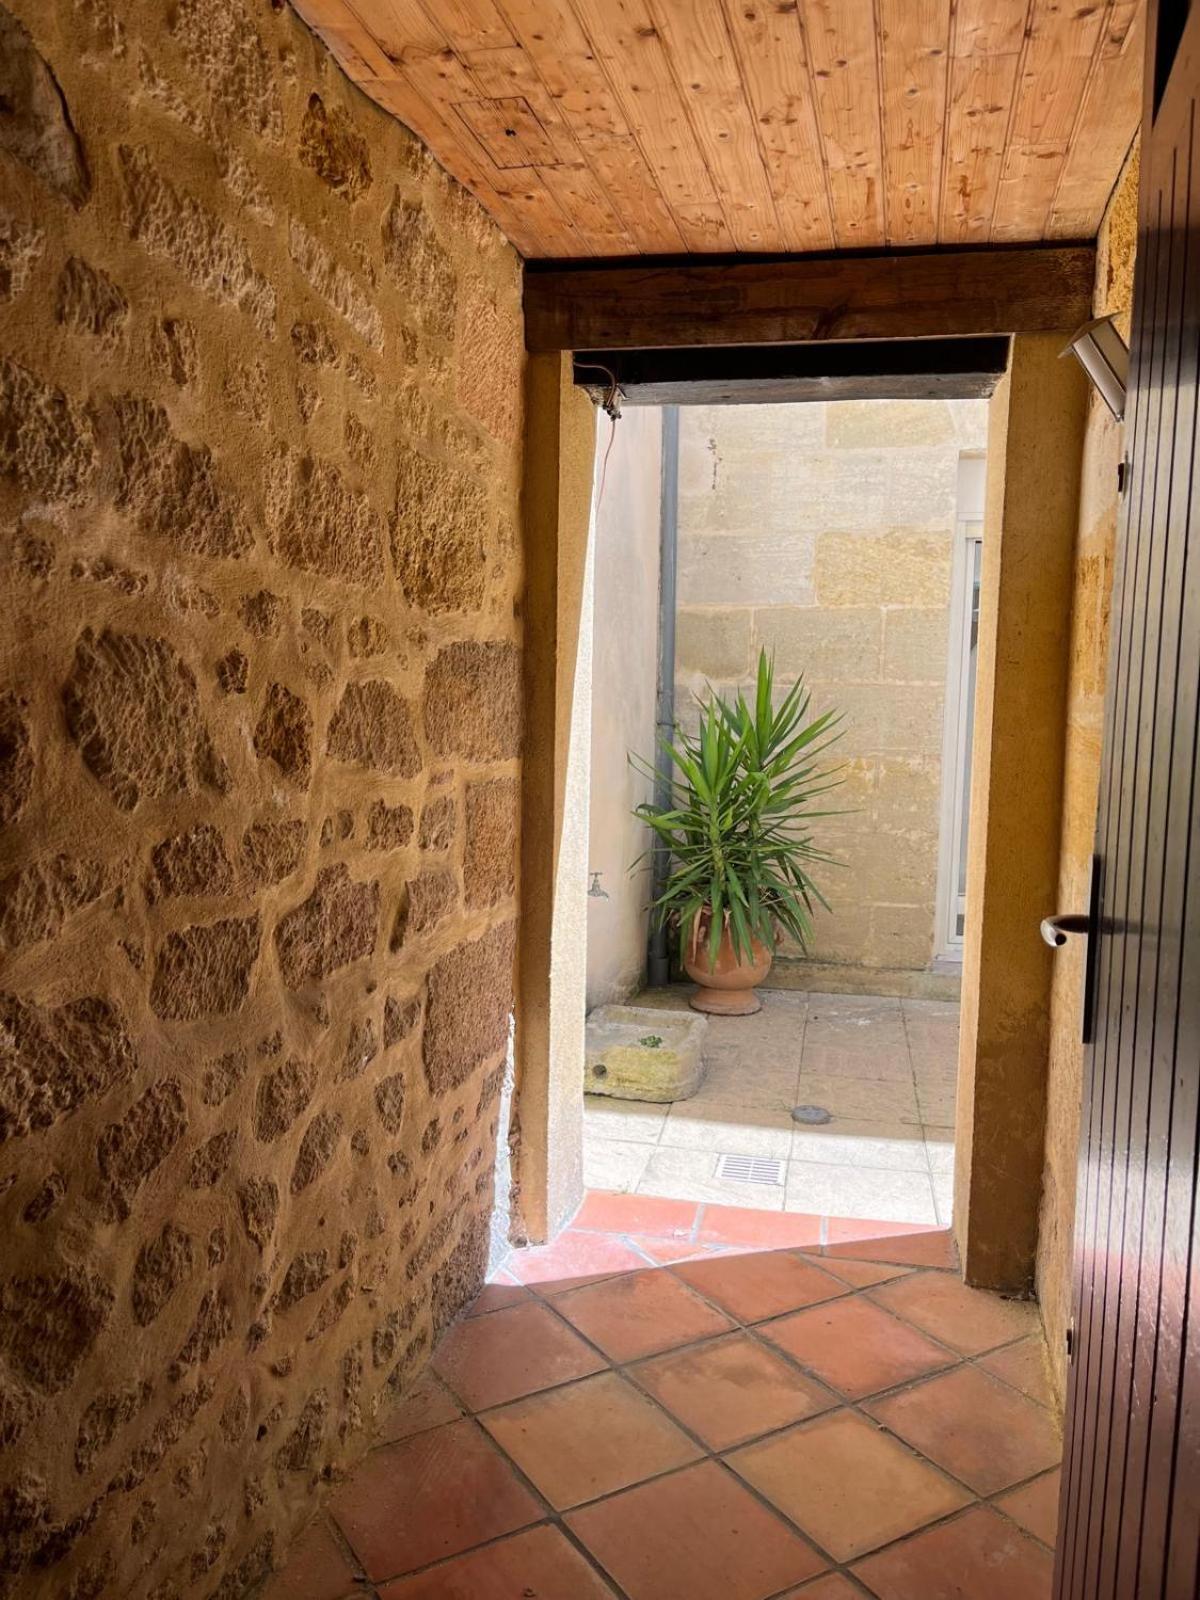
<point x="697" y="453"/>
<point x="805" y="491"/>
<point x="773" y="427"/>
<point x="884" y="718"/>
<point x="889" y="424"/>
<point x="688" y="691"/>
<point x="814" y="643"/>
<point x="901" y="936"/>
<point x="746" y="569"/>
<point x="714" y="644"/>
<point x="920" y="489"/>
<point x="850" y="806"/>
<point x="842" y="933"/>
<point x="883" y="569"/>
<point x="693" y="689"/>
<point x="731" y="446"/>
<point x="898" y="868"/>
<point x="970" y="423"/>
<point x="908" y="792"/>
<point x="915" y="644"/>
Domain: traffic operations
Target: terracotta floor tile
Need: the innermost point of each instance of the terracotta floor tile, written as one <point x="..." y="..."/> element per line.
<point x="497" y="1296"/>
<point x="542" y="1562"/>
<point x="488" y="1360"/>
<point x="317" y="1568"/>
<point x="856" y="1347"/>
<point x="979" y="1555"/>
<point x="697" y="1533"/>
<point x="762" y="1230"/>
<point x="897" y="1242"/>
<point x="573" y="1259"/>
<point x="1035" y="1506"/>
<point x="589" y="1439"/>
<point x="668" y="1251"/>
<point x="975" y="1427"/>
<point x="433" y="1496"/>
<point x="640" y="1314"/>
<point x="765" y="1284"/>
<point x="970" y="1320"/>
<point x="731" y="1390"/>
<point x="428" y="1404"/>
<point x="859" y="1274"/>
<point x="846" y="1484"/>
<point x="831" y="1587"/>
<point x="1026" y="1367"/>
<point x="637" y="1213"/>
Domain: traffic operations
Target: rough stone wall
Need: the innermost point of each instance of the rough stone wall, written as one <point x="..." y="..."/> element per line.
<point x="1094" y="556"/>
<point x="825" y="532"/>
<point x="260" y="369"/>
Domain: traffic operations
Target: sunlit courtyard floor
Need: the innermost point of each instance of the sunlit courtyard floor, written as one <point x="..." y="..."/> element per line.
<point x="882" y="1068"/>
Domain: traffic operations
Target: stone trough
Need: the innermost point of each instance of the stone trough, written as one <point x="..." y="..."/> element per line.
<point x="637" y="1053"/>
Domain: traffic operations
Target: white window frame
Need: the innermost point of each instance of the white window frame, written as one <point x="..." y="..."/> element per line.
<point x="948" y="943"/>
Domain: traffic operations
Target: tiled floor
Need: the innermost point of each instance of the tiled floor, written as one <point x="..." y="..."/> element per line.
<point x="883" y="1068"/>
<point x="744" y="1421"/>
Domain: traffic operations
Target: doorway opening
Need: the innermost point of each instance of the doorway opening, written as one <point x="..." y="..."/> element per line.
<point x="843" y="538"/>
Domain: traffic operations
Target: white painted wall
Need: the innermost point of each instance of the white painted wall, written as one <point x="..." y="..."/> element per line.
<point x="624" y="672"/>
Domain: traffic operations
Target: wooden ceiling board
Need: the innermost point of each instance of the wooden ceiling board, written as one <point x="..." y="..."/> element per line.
<point x="1056" y="65"/>
<point x="980" y="94"/>
<point x="580" y="195"/>
<point x="614" y="128"/>
<point x="1112" y="104"/>
<point x="443" y="79"/>
<point x="561" y="55"/>
<point x="627" y="45"/>
<point x="473" y="25"/>
<point x="843" y="60"/>
<point x="699" y="47"/>
<point x="509" y="132"/>
<point x="914" y="63"/>
<point x="773" y="59"/>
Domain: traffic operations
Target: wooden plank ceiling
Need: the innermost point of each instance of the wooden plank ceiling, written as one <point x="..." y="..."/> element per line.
<point x="658" y="127"/>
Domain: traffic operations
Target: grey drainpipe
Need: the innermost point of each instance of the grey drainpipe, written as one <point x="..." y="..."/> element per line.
<point x="659" y="964"/>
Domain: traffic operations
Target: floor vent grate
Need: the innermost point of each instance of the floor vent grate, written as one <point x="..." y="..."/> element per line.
<point x="750" y="1169"/>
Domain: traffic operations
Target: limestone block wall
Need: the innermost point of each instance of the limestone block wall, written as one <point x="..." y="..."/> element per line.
<point x="1095" y="551"/>
<point x="825" y="532"/>
<point x="260" y="379"/>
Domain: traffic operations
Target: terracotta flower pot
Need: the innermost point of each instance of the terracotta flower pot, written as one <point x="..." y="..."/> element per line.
<point x="726" y="989"/>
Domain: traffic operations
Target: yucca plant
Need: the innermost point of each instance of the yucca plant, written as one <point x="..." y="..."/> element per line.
<point x="743" y="792"/>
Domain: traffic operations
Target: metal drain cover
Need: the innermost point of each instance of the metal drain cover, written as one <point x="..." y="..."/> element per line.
<point x="750" y="1169"/>
<point x="815" y="1116"/>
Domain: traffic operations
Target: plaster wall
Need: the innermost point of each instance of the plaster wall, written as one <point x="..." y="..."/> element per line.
<point x="825" y="532"/>
<point x="260" y="713"/>
<point x="1035" y="444"/>
<point x="547" y="1132"/>
<point x="624" y="687"/>
<point x="1095" y="549"/>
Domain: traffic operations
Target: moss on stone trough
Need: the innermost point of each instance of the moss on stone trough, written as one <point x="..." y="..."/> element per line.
<point x="635" y="1053"/>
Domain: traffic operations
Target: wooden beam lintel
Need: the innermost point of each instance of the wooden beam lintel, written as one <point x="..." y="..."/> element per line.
<point x="916" y="294"/>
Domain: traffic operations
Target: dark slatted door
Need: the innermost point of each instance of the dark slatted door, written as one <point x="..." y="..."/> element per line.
<point x="1130" y="1518"/>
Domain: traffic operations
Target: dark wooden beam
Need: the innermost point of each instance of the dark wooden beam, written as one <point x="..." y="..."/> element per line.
<point x="890" y="369"/>
<point x="918" y="294"/>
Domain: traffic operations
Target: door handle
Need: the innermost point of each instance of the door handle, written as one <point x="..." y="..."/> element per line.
<point x="1057" y="930"/>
